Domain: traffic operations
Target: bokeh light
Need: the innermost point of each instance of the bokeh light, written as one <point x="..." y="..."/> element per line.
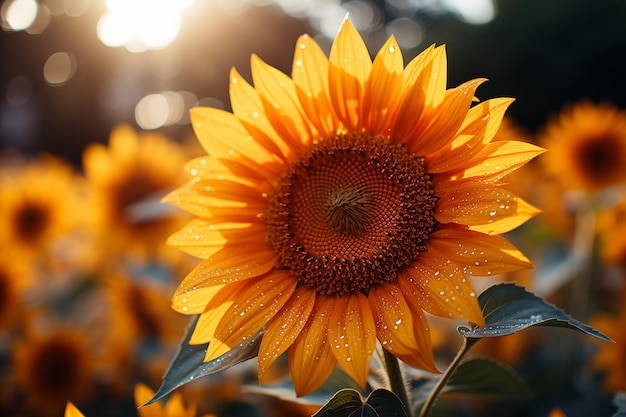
<point x="59" y="68"/>
<point x="140" y="25"/>
<point x="164" y="109"/>
<point x="18" y="14"/>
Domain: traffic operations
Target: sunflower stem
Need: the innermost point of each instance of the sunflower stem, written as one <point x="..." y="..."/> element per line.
<point x="396" y="380"/>
<point x="430" y="401"/>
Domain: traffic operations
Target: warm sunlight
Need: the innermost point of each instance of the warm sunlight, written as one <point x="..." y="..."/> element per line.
<point x="141" y="24"/>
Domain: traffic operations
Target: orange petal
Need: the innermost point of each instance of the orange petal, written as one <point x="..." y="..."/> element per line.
<point x="477" y="253"/>
<point x="498" y="159"/>
<point x="283" y="109"/>
<point x="352" y="335"/>
<point x="478" y="128"/>
<point x="433" y="133"/>
<point x="255" y="305"/>
<point x="311" y="360"/>
<point x="396" y="328"/>
<point x="231" y="264"/>
<point x="285" y="327"/>
<point x="382" y="89"/>
<point x="310" y="75"/>
<point x="248" y="107"/>
<point x="394" y="324"/>
<point x="423" y="357"/>
<point x="440" y="287"/>
<point x="222" y="135"/>
<point x="484" y="207"/>
<point x="350" y="66"/>
<point x="203" y="239"/>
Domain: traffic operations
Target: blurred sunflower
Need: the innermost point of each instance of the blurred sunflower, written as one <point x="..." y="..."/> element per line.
<point x="339" y="204"/>
<point x="42" y="202"/>
<point x="53" y="367"/>
<point x="128" y="178"/>
<point x="140" y="310"/>
<point x="587" y="146"/>
<point x="141" y="331"/>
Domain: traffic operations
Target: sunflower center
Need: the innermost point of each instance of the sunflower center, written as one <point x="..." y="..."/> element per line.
<point x="350" y="212"/>
<point x="31" y="222"/>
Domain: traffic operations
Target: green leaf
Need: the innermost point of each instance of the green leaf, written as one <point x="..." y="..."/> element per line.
<point x="481" y="376"/>
<point x="188" y="363"/>
<point x="508" y="308"/>
<point x="349" y="403"/>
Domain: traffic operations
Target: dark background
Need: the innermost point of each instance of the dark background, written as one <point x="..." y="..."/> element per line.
<point x="545" y="53"/>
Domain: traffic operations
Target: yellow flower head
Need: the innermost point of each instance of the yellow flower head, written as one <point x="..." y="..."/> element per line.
<point x="587" y="146"/>
<point x="128" y="178"/>
<point x="42" y="201"/>
<point x="338" y="205"/>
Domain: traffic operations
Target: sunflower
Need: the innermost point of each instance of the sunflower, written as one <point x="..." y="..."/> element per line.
<point x="52" y="367"/>
<point x="128" y="178"/>
<point x="338" y="205"/>
<point x="587" y="144"/>
<point x="42" y="203"/>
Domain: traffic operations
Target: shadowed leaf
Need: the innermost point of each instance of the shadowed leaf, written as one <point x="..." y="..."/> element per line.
<point x="483" y="376"/>
<point x="349" y="403"/>
<point x="508" y="308"/>
<point x="188" y="364"/>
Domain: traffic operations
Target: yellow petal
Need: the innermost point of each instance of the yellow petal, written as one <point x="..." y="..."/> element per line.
<point x="433" y="133"/>
<point x="350" y="66"/>
<point x="203" y="239"/>
<point x="352" y="335"/>
<point x="283" y="109"/>
<point x="208" y="198"/>
<point x="217" y="303"/>
<point x="310" y="75"/>
<point x="255" y="305"/>
<point x="382" y="89"/>
<point x="194" y="302"/>
<point x="285" y="327"/>
<point x="484" y="207"/>
<point x="477" y="253"/>
<point x="72" y="411"/>
<point x="311" y="360"/>
<point x="478" y="128"/>
<point x="222" y="135"/>
<point x="231" y="264"/>
<point x="248" y="107"/>
<point x="440" y="287"/>
<point x="498" y="159"/>
<point x="394" y="324"/>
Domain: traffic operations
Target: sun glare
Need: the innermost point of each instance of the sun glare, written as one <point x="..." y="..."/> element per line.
<point x="140" y="25"/>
